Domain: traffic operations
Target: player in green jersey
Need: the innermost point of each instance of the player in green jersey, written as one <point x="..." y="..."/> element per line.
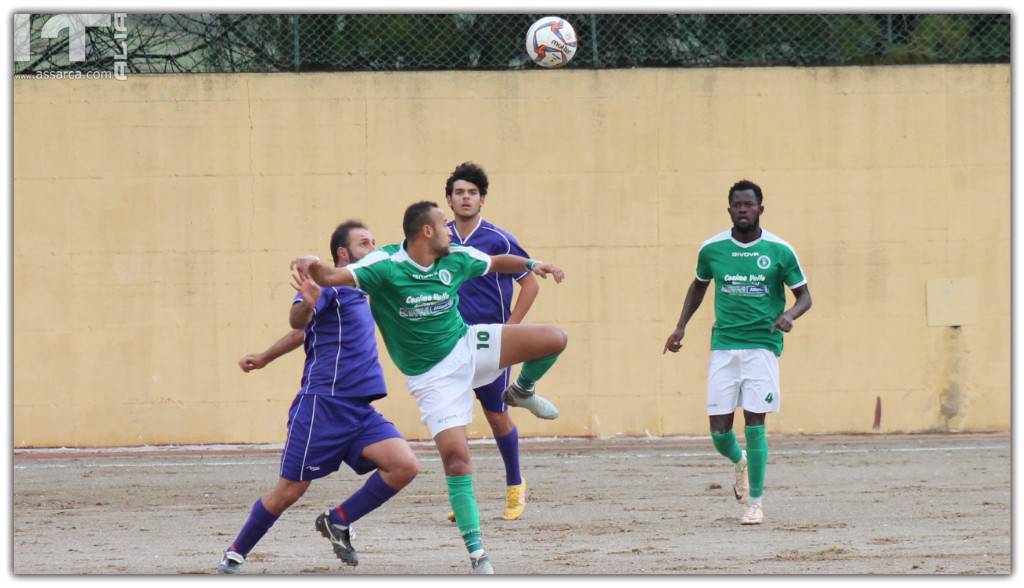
<point x="414" y="298"/>
<point x="750" y="267"/>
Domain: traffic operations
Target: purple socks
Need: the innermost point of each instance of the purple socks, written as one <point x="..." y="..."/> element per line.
<point x="374" y="493"/>
<point x="256" y="526"/>
<point x="508" y="445"/>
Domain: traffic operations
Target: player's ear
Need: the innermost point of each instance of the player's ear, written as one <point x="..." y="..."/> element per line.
<point x="343" y="256"/>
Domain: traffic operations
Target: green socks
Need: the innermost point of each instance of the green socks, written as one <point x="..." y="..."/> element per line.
<point x="757" y="459"/>
<point x="726" y="444"/>
<point x="534" y="370"/>
<point x="460" y="496"/>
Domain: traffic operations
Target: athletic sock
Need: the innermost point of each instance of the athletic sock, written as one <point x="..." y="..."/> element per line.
<point x="374" y="493"/>
<point x="534" y="370"/>
<point x="726" y="444"/>
<point x="757" y="459"/>
<point x="463" y="503"/>
<point x="508" y="446"/>
<point x="256" y="526"/>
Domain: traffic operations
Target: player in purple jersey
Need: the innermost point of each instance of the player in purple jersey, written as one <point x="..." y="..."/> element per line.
<point x="488" y="300"/>
<point x="331" y="420"/>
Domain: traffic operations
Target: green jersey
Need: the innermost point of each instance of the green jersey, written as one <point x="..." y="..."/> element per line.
<point x="416" y="307"/>
<point x="749" y="292"/>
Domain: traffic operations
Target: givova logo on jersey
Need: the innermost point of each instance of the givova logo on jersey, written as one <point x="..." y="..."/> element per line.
<point x="444" y="276"/>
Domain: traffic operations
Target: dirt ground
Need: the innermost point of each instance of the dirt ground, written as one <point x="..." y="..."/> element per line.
<point x="915" y="504"/>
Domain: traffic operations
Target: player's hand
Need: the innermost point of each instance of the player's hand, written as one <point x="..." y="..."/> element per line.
<point x="784" y="322"/>
<point x="305" y="286"/>
<point x="300" y="265"/>
<point x="545" y="269"/>
<point x="253" y="361"/>
<point x="674" y="342"/>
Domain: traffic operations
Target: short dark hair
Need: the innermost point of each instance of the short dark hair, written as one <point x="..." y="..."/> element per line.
<point x="746" y="185"/>
<point x="416" y="216"/>
<point x="469" y="172"/>
<point x="339" y="238"/>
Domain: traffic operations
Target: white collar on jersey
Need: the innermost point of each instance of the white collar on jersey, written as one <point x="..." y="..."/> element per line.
<point x="403" y="255"/>
<point x="745" y="245"/>
<point x="455" y="229"/>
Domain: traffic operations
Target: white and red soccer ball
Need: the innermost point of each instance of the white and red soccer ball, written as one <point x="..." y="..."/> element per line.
<point x="551" y="42"/>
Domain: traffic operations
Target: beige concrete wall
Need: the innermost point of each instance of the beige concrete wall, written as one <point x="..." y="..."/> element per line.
<point x="154" y="219"/>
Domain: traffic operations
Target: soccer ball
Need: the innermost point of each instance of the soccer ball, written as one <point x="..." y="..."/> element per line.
<point x="551" y="42"/>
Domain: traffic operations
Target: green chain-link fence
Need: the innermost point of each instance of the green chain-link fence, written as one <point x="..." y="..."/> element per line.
<point x="205" y="43"/>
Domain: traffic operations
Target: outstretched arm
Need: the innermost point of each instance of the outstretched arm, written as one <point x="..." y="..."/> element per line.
<point x="694" y="296"/>
<point x="287" y="344"/>
<point x="323" y="275"/>
<point x="802" y="305"/>
<point x="513" y="264"/>
<point x="528" y="289"/>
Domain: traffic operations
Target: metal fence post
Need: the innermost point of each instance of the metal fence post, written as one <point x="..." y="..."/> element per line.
<point x="296" y="59"/>
<point x="593" y="40"/>
<point x="888" y="37"/>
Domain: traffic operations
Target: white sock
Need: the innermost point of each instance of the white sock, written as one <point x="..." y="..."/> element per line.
<point x="742" y="459"/>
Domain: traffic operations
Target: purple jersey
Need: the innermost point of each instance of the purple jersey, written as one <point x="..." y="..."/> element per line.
<point x="341" y="350"/>
<point x="488" y="299"/>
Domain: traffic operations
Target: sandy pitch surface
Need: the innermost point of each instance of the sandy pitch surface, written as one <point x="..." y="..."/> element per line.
<point x="883" y="504"/>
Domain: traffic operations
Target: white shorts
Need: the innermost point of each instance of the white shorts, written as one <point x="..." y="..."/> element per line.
<point x="445" y="393"/>
<point x="743" y="377"/>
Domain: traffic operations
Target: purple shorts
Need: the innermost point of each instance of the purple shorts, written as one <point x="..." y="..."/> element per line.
<point x="324" y="431"/>
<point x="490" y="395"/>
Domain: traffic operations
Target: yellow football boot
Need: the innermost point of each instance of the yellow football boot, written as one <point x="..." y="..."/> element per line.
<point x="515" y="501"/>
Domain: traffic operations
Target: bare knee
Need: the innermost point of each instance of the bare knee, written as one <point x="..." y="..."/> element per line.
<point x="456" y="463"/>
<point x="458" y="468"/>
<point x="285" y="494"/>
<point x="721" y="423"/>
<point x="406" y="469"/>
<point x="753" y="419"/>
<point x="454" y="451"/>
<point x="395" y="461"/>
<point x="557" y="340"/>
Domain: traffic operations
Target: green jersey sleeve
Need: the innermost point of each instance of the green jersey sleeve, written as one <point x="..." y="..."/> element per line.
<point x="793" y="273"/>
<point x="372" y="271"/>
<point x="474" y="262"/>
<point x="703" y="265"/>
